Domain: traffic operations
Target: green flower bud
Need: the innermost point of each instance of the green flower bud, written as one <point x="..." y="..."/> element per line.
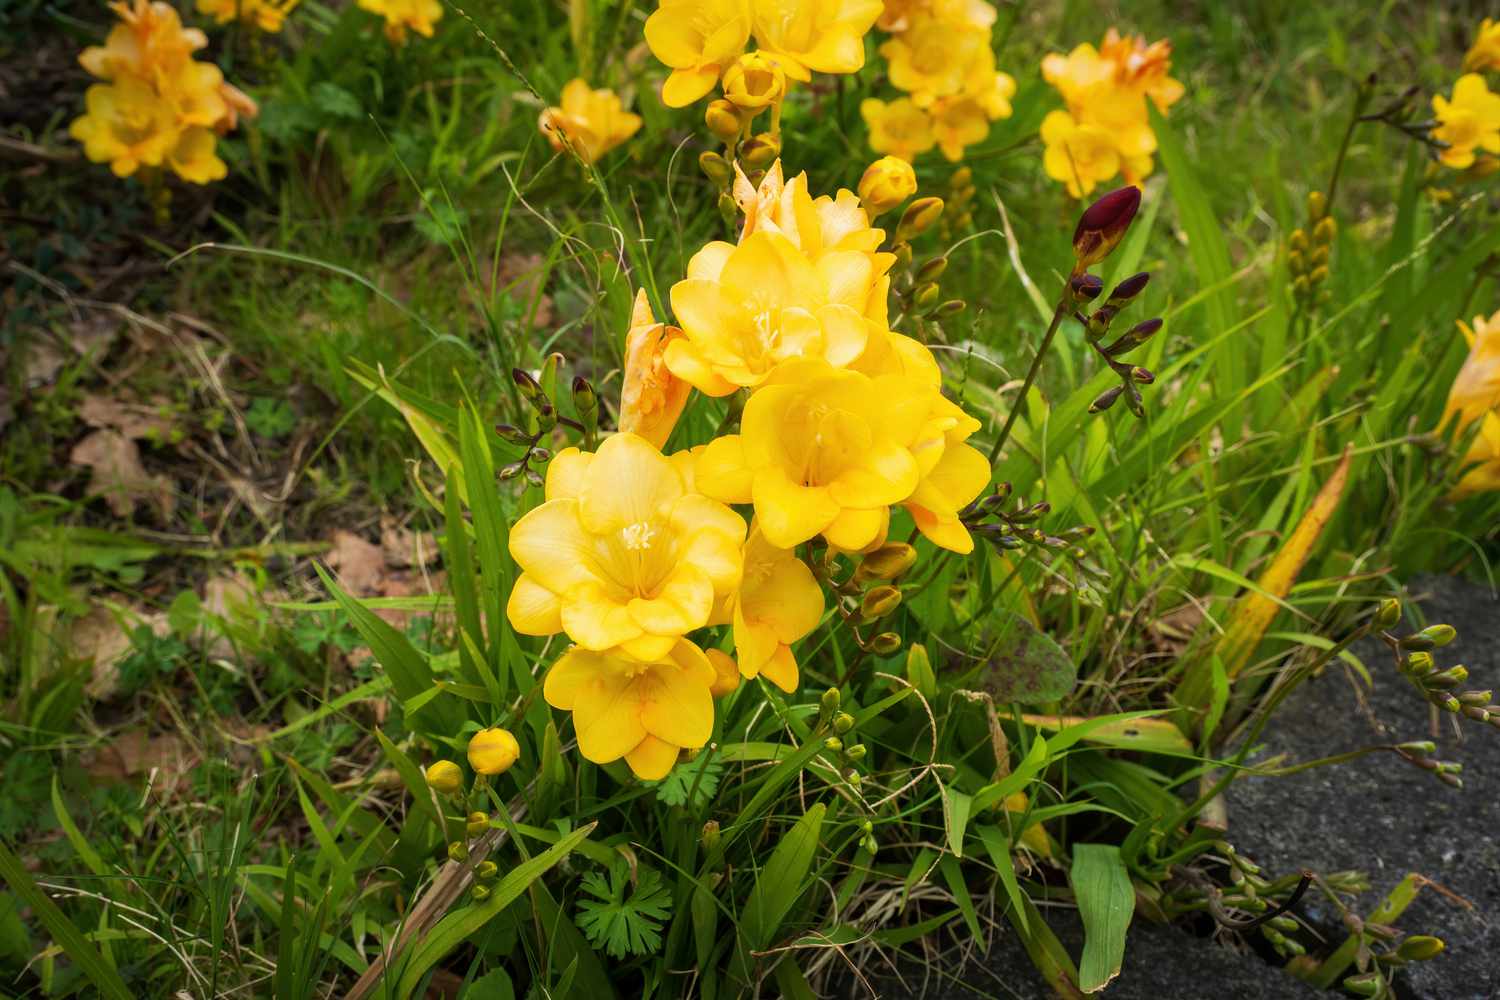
<point x="1366" y="984"/>
<point x="879" y="602"/>
<point x="477" y="823"/>
<point x="1388" y="614"/>
<point x="715" y="168"/>
<point x="445" y="777"/>
<point x="855" y="754"/>
<point x="919" y="217"/>
<point x="480" y="892"/>
<point x="1439" y="635"/>
<point x="710" y="836"/>
<point x="885" y="644"/>
<point x="932" y="270"/>
<point x="1420" y="948"/>
<point x="833" y="743"/>
<point x="842" y="723"/>
<point x="458" y="851"/>
<point x="486" y="870"/>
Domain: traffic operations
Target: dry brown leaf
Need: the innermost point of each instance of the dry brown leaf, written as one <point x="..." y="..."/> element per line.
<point x="404" y="547"/>
<point x="118" y="476"/>
<point x="360" y="565"/>
<point x="134" y="753"/>
<point x="134" y="420"/>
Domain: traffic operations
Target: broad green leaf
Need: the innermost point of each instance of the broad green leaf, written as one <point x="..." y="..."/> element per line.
<point x="1106" y="902"/>
<point x="1021" y="663"/>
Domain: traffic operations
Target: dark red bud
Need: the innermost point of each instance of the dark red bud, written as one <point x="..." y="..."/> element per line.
<point x="1085" y="287"/>
<point x="1103" y="226"/>
<point x="1130" y="287"/>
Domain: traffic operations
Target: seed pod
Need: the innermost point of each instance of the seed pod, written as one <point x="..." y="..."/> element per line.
<point x="885" y="644"/>
<point x="1103" y="225"/>
<point x="715" y="168"/>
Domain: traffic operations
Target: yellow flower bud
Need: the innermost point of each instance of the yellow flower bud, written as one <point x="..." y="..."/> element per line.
<point x="1325" y="230"/>
<point x="886" y="562"/>
<point x="879" y="602"/>
<point x="754" y="82"/>
<point x="726" y="673"/>
<point x="445" y="778"/>
<point x="1317" y="205"/>
<point x="722" y="119"/>
<point x="886" y="183"/>
<point x="919" y="217"/>
<point x="760" y="150"/>
<point x="477" y="823"/>
<point x="715" y="168"/>
<point x="493" y="751"/>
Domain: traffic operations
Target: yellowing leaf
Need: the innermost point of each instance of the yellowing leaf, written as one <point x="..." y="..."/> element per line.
<point x="1254" y="612"/>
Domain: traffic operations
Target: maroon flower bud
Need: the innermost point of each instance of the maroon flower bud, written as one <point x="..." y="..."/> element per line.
<point x="1129" y="288"/>
<point x="1085" y="287"/>
<point x="1103" y="226"/>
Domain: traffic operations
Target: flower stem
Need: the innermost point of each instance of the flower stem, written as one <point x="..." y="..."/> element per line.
<point x="1036" y="366"/>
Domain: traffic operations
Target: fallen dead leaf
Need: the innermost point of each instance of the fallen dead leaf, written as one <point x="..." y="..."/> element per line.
<point x="102" y="638"/>
<point x="166" y="759"/>
<point x="403" y="547"/>
<point x="134" y="420"/>
<point x="360" y="564"/>
<point x="118" y="476"/>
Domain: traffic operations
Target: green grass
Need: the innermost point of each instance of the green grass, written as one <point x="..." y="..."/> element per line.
<point x="387" y="234"/>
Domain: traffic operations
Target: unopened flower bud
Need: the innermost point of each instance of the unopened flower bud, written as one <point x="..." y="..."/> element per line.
<point x="1475" y="699"/>
<point x="493" y="751"/>
<point x="1440" y="635"/>
<point x="833" y="744"/>
<point x="1317" y="204"/>
<point x="1325" y="230"/>
<point x="879" y="602"/>
<point x="710" y="836"/>
<point x="1103" y="225"/>
<point x="715" y="168"/>
<point x="486" y="870"/>
<point x="885" y="644"/>
<point x="931" y="270"/>
<point x="1298" y="241"/>
<point x="842" y="723"/>
<point x="1420" y="948"/>
<point x="476" y="824"/>
<point x="728" y="210"/>
<point x="458" y="851"/>
<point x="1366" y="984"/>
<point x="1445" y="680"/>
<point x="961" y="178"/>
<point x="479" y="891"/>
<point x="1420" y="747"/>
<point x="1318" y="275"/>
<point x="1296" y="262"/>
<point x="919" y="217"/>
<point x="754" y="82"/>
<point x="855" y="754"/>
<point x="1388" y="614"/>
<point x="1085" y="287"/>
<point x="445" y="777"/>
<point x="1129" y="288"/>
<point x="513" y="435"/>
<point x="760" y="150"/>
<point x="1318" y="257"/>
<point x="723" y="120"/>
<point x="829" y="703"/>
<point x="925" y="295"/>
<point x="585" y="401"/>
<point x="887" y="562"/>
<point x="1106" y="399"/>
<point x="1141" y="375"/>
<point x="885" y="184"/>
<point x="950" y="308"/>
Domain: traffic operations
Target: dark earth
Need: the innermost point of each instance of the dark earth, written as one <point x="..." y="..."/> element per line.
<point x="1375" y="814"/>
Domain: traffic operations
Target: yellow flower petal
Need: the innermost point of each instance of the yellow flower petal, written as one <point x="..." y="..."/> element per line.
<point x="566" y="472"/>
<point x="652" y="759"/>
<point x="629" y="482"/>
<point x="790" y="513"/>
<point x="533" y="609"/>
<point x="720" y="470"/>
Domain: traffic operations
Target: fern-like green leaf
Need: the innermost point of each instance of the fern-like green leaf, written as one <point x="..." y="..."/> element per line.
<point x="624" y="925"/>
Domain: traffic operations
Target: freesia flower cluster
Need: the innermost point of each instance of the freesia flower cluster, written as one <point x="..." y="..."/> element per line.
<point x="267" y="15"/>
<point x="1106" y="129"/>
<point x="592" y="121"/>
<point x="1475" y="396"/>
<point x="940" y="54"/>
<point x="702" y="41"/>
<point x="1468" y="124"/>
<point x="158" y="106"/>
<point x="635" y="550"/>
<point x="402" y="16"/>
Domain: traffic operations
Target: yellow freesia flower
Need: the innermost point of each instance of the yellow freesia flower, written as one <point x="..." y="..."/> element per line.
<point x="821" y="450"/>
<point x="1468" y="123"/>
<point x="195" y="92"/>
<point x="594" y="121"/>
<point x="886" y="183"/>
<point x="267" y="15"/>
<point x="149" y="39"/>
<point x="823" y="35"/>
<point x="957" y="123"/>
<point x="952" y="475"/>
<point x="898" y="127"/>
<point x="1484" y="54"/>
<point x="652" y="398"/>
<point x="1078" y="154"/>
<point x="762" y="303"/>
<point x="1142" y="68"/>
<point x="237" y="105"/>
<point x="935" y="58"/>
<point x="193" y="157"/>
<point x="698" y="39"/>
<point x="1475" y="395"/>
<point x="754" y="82"/>
<point x="778" y="602"/>
<point x="126" y="125"/>
<point x="620" y="554"/>
<point x="644" y="710"/>
<point x="405" y="15"/>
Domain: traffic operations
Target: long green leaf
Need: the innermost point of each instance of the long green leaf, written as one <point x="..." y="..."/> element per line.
<point x="1106" y="903"/>
<point x="778" y="885"/>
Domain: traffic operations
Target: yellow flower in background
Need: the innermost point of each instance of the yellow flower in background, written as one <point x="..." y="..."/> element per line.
<point x="237" y="105"/>
<point x="1142" y="68"/>
<point x="620" y="553"/>
<point x="1475" y="395"/>
<point x="1484" y="54"/>
<point x="886" y="183"/>
<point x="594" y="121"/>
<point x="126" y="125"/>
<point x="1079" y="155"/>
<point x="820" y="451"/>
<point x="149" y="39"/>
<point x="651" y="398"/>
<point x="195" y="92"/>
<point x="897" y="127"/>
<point x="267" y="15"/>
<point x="935" y="58"/>
<point x="402" y="16"/>
<point x="493" y="750"/>
<point x="698" y="39"/>
<point x="823" y="35"/>
<point x="642" y="709"/>
<point x="746" y="309"/>
<point x="1470" y="122"/>
<point x="778" y="602"/>
<point x="193" y="157"/>
<point x="957" y="123"/>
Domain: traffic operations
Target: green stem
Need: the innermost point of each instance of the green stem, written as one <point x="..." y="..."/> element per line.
<point x="1031" y="374"/>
